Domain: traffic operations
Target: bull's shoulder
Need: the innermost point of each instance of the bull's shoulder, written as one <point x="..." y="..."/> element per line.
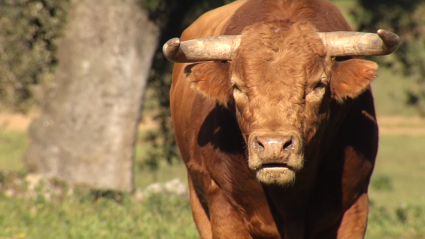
<point x="212" y="23"/>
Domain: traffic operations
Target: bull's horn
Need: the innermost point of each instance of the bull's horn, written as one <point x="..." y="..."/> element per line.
<point x="360" y="44"/>
<point x="203" y="49"/>
<point x="337" y="44"/>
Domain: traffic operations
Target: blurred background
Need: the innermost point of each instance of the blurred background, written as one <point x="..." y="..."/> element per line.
<point x="87" y="148"/>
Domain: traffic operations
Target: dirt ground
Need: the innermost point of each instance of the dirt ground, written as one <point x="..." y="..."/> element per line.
<point x="20" y="122"/>
<point x="387" y="124"/>
<point x="401" y="125"/>
<point x="15" y="122"/>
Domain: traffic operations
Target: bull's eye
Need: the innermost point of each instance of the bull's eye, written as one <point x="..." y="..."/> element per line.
<point x="235" y="87"/>
<point x="319" y="88"/>
<point x="342" y="58"/>
<point x="240" y="97"/>
<point x="319" y="85"/>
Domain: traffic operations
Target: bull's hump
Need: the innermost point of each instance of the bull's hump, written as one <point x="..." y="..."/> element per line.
<point x="322" y="14"/>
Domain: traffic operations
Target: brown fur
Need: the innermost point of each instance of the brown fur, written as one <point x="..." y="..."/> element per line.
<point x="280" y="81"/>
<point x="216" y="86"/>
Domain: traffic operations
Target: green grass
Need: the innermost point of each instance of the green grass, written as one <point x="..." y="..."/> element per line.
<point x="12" y="149"/>
<point x="403" y="222"/>
<point x="397" y="191"/>
<point x="390" y="96"/>
<point x="401" y="161"/>
<point x="80" y="217"/>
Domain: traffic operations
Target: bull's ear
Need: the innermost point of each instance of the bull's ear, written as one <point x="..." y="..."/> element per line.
<point x="211" y="79"/>
<point x="350" y="78"/>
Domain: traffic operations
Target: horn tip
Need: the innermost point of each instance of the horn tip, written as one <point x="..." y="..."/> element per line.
<point x="390" y="39"/>
<point x="171" y="47"/>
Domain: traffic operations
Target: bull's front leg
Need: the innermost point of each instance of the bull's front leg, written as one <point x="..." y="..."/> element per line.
<point x="199" y="214"/>
<point x="225" y="220"/>
<point x="354" y="221"/>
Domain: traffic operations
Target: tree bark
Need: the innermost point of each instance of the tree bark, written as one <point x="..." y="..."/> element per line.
<point x="87" y="130"/>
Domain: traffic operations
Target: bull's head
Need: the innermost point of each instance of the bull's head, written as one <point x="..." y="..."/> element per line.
<point x="281" y="78"/>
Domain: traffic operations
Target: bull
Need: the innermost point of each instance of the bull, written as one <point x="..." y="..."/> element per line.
<point x="275" y="121"/>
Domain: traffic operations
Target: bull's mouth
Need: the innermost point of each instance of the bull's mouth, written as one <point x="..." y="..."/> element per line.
<point x="274" y="165"/>
<point x="276" y="173"/>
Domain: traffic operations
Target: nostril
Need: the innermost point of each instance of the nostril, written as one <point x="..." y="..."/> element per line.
<point x="273" y="145"/>
<point x="258" y="145"/>
<point x="288" y="144"/>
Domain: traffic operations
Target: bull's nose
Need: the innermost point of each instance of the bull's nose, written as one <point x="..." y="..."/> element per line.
<point x="273" y="147"/>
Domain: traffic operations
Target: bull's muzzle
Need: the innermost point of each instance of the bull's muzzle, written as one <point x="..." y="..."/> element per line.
<point x="273" y="148"/>
<point x="275" y="158"/>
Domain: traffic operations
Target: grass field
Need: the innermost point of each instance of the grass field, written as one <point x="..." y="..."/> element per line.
<point x="84" y="216"/>
<point x="397" y="190"/>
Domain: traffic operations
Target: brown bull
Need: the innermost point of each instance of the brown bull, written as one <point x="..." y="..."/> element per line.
<point x="275" y="121"/>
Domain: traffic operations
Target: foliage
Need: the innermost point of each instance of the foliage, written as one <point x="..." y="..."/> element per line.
<point x="407" y="19"/>
<point x="27" y="55"/>
<point x="27" y="48"/>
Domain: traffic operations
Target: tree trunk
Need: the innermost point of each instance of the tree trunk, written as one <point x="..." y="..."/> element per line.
<point x="87" y="131"/>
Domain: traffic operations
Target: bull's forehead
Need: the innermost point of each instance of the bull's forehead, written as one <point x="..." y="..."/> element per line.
<point x="284" y="77"/>
<point x="274" y="70"/>
<point x="278" y="54"/>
